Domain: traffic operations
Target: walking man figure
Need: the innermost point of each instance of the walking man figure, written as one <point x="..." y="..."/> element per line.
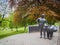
<point x="41" y="22"/>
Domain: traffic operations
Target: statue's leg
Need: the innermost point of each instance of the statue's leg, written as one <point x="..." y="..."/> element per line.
<point x="48" y="34"/>
<point x="40" y="33"/>
<point x="44" y="33"/>
<point x="51" y="34"/>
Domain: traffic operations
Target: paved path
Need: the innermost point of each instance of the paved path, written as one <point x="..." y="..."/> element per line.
<point x="28" y="39"/>
<point x="59" y="39"/>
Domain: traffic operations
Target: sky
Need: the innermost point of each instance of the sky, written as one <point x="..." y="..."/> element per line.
<point x="4" y="9"/>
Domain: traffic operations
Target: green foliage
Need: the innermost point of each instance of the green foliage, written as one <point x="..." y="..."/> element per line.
<point x="6" y="33"/>
<point x="0" y="17"/>
<point x="5" y="23"/>
<point x="10" y="18"/>
<point x="31" y="22"/>
<point x="57" y="23"/>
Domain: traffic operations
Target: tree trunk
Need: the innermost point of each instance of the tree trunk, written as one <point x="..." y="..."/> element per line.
<point x="24" y="28"/>
<point x="16" y="29"/>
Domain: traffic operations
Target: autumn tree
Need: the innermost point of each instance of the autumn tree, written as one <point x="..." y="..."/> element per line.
<point x="32" y="9"/>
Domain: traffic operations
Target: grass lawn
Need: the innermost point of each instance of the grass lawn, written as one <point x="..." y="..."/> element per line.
<point x="5" y="33"/>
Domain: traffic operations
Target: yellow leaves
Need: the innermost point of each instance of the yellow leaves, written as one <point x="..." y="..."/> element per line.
<point x="17" y="17"/>
<point x="50" y="15"/>
<point x="17" y="13"/>
<point x="34" y="10"/>
<point x="33" y="14"/>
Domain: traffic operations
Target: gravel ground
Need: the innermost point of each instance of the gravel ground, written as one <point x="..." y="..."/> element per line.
<point x="29" y="39"/>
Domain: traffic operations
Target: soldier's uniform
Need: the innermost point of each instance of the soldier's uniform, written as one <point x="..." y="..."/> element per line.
<point x="41" y="22"/>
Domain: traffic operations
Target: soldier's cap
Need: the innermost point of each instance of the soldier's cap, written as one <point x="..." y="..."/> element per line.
<point x="43" y="14"/>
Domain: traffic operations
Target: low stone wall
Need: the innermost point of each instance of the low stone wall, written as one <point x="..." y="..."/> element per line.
<point x="33" y="29"/>
<point x="37" y="28"/>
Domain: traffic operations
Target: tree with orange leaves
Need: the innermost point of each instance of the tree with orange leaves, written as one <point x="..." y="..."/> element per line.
<point x="32" y="10"/>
